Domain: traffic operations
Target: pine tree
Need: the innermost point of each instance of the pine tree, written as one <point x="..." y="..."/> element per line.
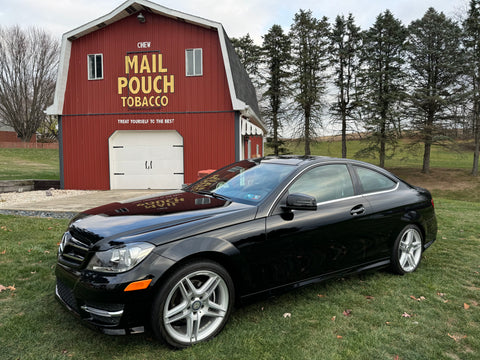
<point x="435" y="63"/>
<point x="382" y="81"/>
<point x="249" y="54"/>
<point x="345" y="41"/>
<point x="276" y="58"/>
<point x="310" y="47"/>
<point x="472" y="44"/>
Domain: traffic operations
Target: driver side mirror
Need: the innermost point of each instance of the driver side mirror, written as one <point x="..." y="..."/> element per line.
<point x="301" y="202"/>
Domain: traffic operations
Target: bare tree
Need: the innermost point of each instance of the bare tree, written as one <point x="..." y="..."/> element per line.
<point x="28" y="67"/>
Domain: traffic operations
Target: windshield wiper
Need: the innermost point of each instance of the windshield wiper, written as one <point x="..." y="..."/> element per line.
<point x="211" y="193"/>
<point x="218" y="196"/>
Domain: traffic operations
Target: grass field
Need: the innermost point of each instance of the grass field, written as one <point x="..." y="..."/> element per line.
<point x="22" y="164"/>
<point x="406" y="155"/>
<point x="430" y="314"/>
<point x="449" y="176"/>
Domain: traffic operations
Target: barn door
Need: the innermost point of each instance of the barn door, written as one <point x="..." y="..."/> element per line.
<point x="146" y="159"/>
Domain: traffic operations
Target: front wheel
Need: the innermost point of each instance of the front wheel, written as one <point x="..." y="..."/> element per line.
<point x="193" y="305"/>
<point x="407" y="250"/>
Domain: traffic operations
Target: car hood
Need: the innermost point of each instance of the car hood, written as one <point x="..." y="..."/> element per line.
<point x="159" y="219"/>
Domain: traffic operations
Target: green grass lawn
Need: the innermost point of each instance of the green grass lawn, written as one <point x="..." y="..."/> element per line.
<point x="406" y="155"/>
<point x="430" y="314"/>
<point x="22" y="164"/>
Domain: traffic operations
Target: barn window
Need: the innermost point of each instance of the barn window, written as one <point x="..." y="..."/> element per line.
<point x="95" y="66"/>
<point x="194" y="62"/>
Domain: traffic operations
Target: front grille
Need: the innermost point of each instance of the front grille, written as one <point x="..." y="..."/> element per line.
<point x="97" y="313"/>
<point x="72" y="252"/>
<point x="66" y="295"/>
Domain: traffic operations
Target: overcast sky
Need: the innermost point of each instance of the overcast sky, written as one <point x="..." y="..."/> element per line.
<point x="238" y="17"/>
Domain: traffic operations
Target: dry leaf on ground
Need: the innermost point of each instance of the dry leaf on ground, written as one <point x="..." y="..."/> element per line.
<point x="457" y="337"/>
<point x="11" y="288"/>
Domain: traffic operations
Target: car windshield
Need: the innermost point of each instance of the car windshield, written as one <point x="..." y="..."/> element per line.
<point x="245" y="181"/>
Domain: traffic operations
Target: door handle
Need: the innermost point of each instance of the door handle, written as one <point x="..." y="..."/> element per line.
<point x="357" y="210"/>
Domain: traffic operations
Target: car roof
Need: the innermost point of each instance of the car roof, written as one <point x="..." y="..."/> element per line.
<point x="298" y="160"/>
<point x="302" y="160"/>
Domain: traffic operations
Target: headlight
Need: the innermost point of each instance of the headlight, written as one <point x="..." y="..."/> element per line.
<point x="120" y="259"/>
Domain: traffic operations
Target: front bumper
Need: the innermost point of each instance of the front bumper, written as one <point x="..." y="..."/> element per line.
<point x="100" y="300"/>
<point x="106" y="318"/>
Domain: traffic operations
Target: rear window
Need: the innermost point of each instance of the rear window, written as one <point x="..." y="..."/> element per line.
<point x="373" y="181"/>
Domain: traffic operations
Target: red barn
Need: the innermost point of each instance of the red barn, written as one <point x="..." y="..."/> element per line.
<point x="147" y="97"/>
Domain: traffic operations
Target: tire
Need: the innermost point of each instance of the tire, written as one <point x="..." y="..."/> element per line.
<point x="193" y="304"/>
<point x="407" y="250"/>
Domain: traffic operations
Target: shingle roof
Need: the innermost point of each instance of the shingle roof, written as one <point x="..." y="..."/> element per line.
<point x="243" y="85"/>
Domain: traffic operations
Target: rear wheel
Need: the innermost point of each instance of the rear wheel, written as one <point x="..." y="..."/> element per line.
<point x="193" y="305"/>
<point x="407" y="250"/>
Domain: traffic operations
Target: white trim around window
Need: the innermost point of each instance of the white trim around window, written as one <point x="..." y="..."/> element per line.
<point x="95" y="66"/>
<point x="194" y="62"/>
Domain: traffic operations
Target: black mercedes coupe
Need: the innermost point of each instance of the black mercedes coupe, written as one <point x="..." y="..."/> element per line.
<point x="176" y="263"/>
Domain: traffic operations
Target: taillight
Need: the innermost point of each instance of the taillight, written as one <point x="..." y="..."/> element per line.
<point x="433" y="205"/>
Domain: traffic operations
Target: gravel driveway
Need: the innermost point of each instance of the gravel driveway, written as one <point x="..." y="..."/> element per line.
<point x="28" y="197"/>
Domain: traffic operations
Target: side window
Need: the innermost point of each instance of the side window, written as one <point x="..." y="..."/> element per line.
<point x="325" y="183"/>
<point x="194" y="62"/>
<point x="373" y="181"/>
<point x="95" y="67"/>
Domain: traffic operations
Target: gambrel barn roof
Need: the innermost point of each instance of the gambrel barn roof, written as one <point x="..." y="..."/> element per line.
<point x="242" y="92"/>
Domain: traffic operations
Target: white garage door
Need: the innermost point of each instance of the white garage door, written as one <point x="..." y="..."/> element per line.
<point x="146" y="160"/>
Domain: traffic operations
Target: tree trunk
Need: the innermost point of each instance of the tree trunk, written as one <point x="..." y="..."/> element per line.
<point x="426" y="158"/>
<point x="476" y="136"/>
<point x="382" y="144"/>
<point x="275" y="134"/>
<point x="307" y="136"/>
<point x="476" y="152"/>
<point x="343" y="110"/>
<point x="428" y="133"/>
<point x="344" y="136"/>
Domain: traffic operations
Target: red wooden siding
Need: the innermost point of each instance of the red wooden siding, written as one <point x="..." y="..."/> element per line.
<point x="171" y="38"/>
<point x="200" y="106"/>
<point x="256" y="140"/>
<point x="252" y="141"/>
<point x="208" y="144"/>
